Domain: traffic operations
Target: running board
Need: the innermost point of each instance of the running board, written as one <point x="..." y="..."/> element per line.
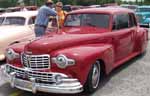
<point x="120" y="62"/>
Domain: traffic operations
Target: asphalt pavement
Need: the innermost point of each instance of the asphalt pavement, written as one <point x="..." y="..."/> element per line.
<point x="130" y="79"/>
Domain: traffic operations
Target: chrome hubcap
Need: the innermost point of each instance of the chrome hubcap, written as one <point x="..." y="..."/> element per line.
<point x="96" y="75"/>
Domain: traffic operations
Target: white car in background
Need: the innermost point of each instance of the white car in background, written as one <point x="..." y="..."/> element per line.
<point x="15" y="27"/>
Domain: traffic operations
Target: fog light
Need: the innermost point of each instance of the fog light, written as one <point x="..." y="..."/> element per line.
<point x="8" y="70"/>
<point x="58" y="79"/>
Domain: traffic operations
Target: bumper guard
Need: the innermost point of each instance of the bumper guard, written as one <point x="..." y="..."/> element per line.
<point x="67" y="86"/>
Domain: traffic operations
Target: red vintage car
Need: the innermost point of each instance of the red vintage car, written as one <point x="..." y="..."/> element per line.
<point x="92" y="42"/>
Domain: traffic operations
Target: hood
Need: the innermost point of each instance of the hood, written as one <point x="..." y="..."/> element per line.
<point x="68" y="37"/>
<point x="47" y="44"/>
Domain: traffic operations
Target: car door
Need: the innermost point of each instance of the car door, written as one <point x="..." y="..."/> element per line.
<point x="123" y="35"/>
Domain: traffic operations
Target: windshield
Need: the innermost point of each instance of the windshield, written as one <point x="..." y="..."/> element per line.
<point x="93" y="20"/>
<point x="14" y="21"/>
<point x="1" y="20"/>
<point x="143" y="10"/>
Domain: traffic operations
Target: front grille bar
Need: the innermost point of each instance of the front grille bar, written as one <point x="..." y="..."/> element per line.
<point x="36" y="62"/>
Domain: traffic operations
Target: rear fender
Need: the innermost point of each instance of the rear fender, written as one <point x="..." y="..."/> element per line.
<point x="141" y="40"/>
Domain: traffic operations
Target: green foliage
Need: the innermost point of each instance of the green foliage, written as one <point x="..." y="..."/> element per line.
<point x="7" y="3"/>
<point x="147" y="2"/>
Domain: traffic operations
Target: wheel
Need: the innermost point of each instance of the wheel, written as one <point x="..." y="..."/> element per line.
<point x="93" y="79"/>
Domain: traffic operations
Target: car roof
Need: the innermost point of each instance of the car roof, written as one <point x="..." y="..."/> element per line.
<point x="107" y="10"/>
<point x="127" y="5"/>
<point x="24" y="14"/>
<point x="146" y="6"/>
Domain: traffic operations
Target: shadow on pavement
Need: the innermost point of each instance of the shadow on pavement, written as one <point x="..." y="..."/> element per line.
<point x="117" y="70"/>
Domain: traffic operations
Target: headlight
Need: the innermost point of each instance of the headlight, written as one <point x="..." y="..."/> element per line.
<point x="11" y="54"/>
<point x="62" y="61"/>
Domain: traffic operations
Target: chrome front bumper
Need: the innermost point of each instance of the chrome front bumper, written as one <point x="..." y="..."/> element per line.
<point x="67" y="85"/>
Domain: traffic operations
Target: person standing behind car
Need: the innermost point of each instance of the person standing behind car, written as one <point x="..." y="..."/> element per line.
<point x="61" y="13"/>
<point x="42" y="18"/>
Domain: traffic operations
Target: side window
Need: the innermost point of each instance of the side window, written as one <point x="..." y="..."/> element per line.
<point x="31" y="20"/>
<point x="121" y="21"/>
<point x="131" y="18"/>
<point x="134" y="19"/>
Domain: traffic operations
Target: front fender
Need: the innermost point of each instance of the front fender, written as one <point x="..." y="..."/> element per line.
<point x="85" y="56"/>
<point x="18" y="48"/>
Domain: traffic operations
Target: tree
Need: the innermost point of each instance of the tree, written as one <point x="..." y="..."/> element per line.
<point x="147" y="2"/>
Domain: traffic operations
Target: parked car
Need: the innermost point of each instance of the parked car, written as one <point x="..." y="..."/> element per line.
<point x="109" y="5"/>
<point x="15" y="27"/>
<point x="94" y="6"/>
<point x="15" y="9"/>
<point x="92" y="42"/>
<point x="69" y="8"/>
<point x="132" y="7"/>
<point x="143" y="15"/>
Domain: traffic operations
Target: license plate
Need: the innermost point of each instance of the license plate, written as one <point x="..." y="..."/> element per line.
<point x="26" y="85"/>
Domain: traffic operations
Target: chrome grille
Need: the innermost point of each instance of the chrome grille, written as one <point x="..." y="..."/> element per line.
<point x="36" y="61"/>
<point x="26" y="74"/>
